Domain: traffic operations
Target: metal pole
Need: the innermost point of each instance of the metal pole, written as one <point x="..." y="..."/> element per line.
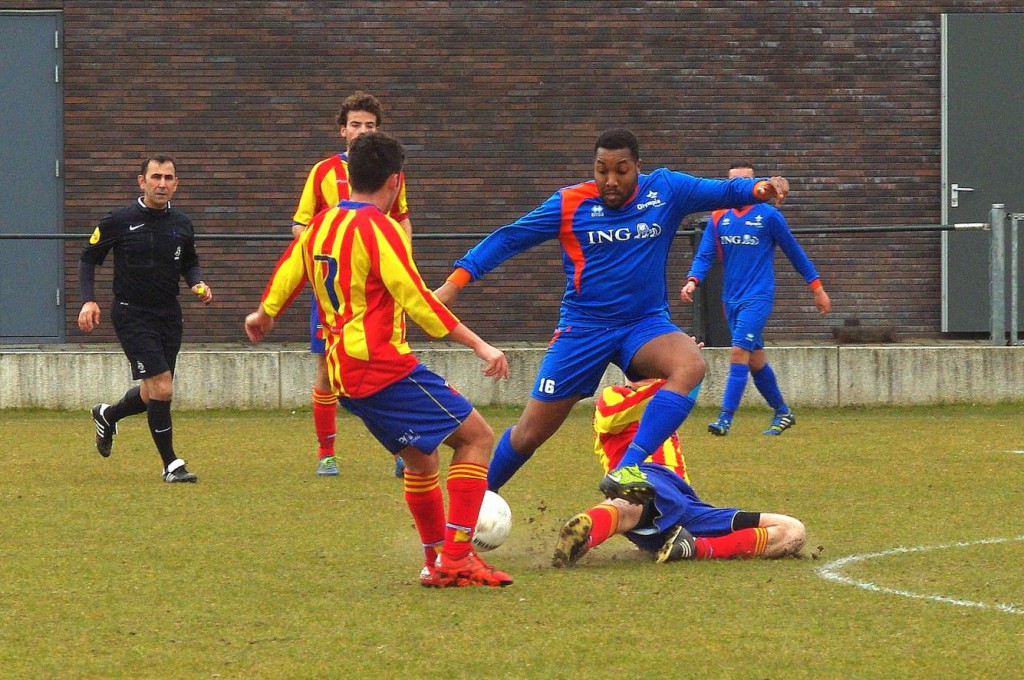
<point x="1014" y="309"/>
<point x="997" y="273"/>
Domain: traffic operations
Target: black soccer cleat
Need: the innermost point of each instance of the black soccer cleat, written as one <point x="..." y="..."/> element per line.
<point x="680" y="545"/>
<point x="104" y="431"/>
<point x="180" y="476"/>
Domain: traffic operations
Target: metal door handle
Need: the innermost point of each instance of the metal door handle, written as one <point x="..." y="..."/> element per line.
<point x="954" y="194"/>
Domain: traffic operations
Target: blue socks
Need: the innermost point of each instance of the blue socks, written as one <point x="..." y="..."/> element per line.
<point x="735" y="384"/>
<point x="505" y="462"/>
<point x="663" y="416"/>
<point x="768" y="386"/>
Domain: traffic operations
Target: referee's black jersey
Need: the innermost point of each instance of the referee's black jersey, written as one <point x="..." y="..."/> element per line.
<point x="152" y="250"/>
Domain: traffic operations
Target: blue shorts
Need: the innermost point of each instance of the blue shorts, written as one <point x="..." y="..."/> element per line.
<point x="675" y="502"/>
<point x="420" y="410"/>
<point x="317" y="345"/>
<point x="747" y="320"/>
<point x="578" y="356"/>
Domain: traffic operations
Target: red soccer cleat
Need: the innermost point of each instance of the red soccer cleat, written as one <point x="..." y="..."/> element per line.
<point x="428" y="577"/>
<point x="468" y="571"/>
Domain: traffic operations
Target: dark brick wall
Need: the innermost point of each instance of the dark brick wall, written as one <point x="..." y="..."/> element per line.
<point x="498" y="105"/>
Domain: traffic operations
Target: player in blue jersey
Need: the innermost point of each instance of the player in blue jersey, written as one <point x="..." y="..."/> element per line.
<point x="745" y="240"/>
<point x="615" y="232"/>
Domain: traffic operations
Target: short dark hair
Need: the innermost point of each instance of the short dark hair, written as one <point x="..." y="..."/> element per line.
<point x="746" y="165"/>
<point x="360" y="101"/>
<point x="160" y="159"/>
<point x="618" y="138"/>
<point x="372" y="158"/>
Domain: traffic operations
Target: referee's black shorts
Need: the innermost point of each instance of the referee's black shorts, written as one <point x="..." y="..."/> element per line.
<point x="149" y="336"/>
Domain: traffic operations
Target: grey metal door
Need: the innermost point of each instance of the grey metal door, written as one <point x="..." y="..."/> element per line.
<point x="31" y="184"/>
<point x="982" y="153"/>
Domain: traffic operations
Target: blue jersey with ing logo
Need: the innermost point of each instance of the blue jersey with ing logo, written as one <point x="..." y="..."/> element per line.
<point x="745" y="241"/>
<point x="614" y="260"/>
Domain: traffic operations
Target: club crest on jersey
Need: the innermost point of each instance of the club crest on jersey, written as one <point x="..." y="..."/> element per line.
<point x="651" y="200"/>
<point x="756" y="222"/>
<point x="641" y="231"/>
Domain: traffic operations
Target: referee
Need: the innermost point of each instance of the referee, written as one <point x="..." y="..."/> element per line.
<point x="154" y="247"/>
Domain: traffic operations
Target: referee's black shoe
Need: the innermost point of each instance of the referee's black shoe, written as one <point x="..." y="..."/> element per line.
<point x="179" y="474"/>
<point x="104" y="431"/>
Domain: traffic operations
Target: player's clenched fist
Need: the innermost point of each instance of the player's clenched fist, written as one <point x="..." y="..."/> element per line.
<point x="258" y="324"/>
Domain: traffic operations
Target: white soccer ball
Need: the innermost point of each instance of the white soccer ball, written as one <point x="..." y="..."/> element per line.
<point x="494" y="523"/>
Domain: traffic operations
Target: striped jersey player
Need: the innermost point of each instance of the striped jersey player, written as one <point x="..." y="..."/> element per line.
<point x="360" y="265"/>
<point x="326" y="184"/>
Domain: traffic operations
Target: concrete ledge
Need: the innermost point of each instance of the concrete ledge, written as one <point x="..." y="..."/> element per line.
<point x="269" y="378"/>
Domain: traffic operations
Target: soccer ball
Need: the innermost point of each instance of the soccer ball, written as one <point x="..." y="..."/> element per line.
<point x="494" y="523"/>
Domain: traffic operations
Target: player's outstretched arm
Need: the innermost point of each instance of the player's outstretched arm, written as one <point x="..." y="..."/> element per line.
<point x="495" y="363"/>
<point x="775" y="189"/>
<point x="449" y="290"/>
<point x="447" y="293"/>
<point x="258" y="324"/>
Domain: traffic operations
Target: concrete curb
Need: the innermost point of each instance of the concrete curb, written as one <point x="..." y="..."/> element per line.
<point x="271" y="378"/>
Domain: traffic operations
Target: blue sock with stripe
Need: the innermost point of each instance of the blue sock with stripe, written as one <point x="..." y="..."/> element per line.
<point x="663" y="416"/>
<point x="505" y="462"/>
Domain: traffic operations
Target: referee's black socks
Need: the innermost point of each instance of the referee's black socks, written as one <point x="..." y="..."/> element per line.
<point x="131" y="403"/>
<point x="159" y="415"/>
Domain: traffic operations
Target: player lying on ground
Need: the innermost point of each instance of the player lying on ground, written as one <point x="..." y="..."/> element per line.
<point x="675" y="524"/>
<point x="360" y="265"/>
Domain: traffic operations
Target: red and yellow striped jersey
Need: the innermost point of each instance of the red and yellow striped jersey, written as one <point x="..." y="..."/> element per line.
<point x="327" y="184"/>
<point x="360" y="265"/>
<point x="616" y="420"/>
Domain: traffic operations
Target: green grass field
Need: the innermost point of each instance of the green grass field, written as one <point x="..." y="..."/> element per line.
<point x="263" y="570"/>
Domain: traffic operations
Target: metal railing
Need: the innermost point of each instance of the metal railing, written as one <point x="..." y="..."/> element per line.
<point x="999" y="222"/>
<point x="286" y="236"/>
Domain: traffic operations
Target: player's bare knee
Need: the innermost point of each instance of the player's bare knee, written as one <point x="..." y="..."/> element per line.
<point x="795" y="535"/>
<point x="800" y="533"/>
<point x="477" y="432"/>
<point x="321" y="381"/>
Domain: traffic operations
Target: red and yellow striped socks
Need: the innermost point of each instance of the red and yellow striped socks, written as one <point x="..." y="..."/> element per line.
<point x="423" y="496"/>
<point x="325" y="412"/>
<point x="606" y="523"/>
<point x="744" y="543"/>
<point x="466" y="484"/>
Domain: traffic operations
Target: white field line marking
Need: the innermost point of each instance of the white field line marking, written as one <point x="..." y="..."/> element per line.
<point x="1017" y="451"/>
<point x="831" y="571"/>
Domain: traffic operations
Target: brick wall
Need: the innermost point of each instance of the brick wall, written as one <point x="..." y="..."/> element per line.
<point x="498" y="105"/>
